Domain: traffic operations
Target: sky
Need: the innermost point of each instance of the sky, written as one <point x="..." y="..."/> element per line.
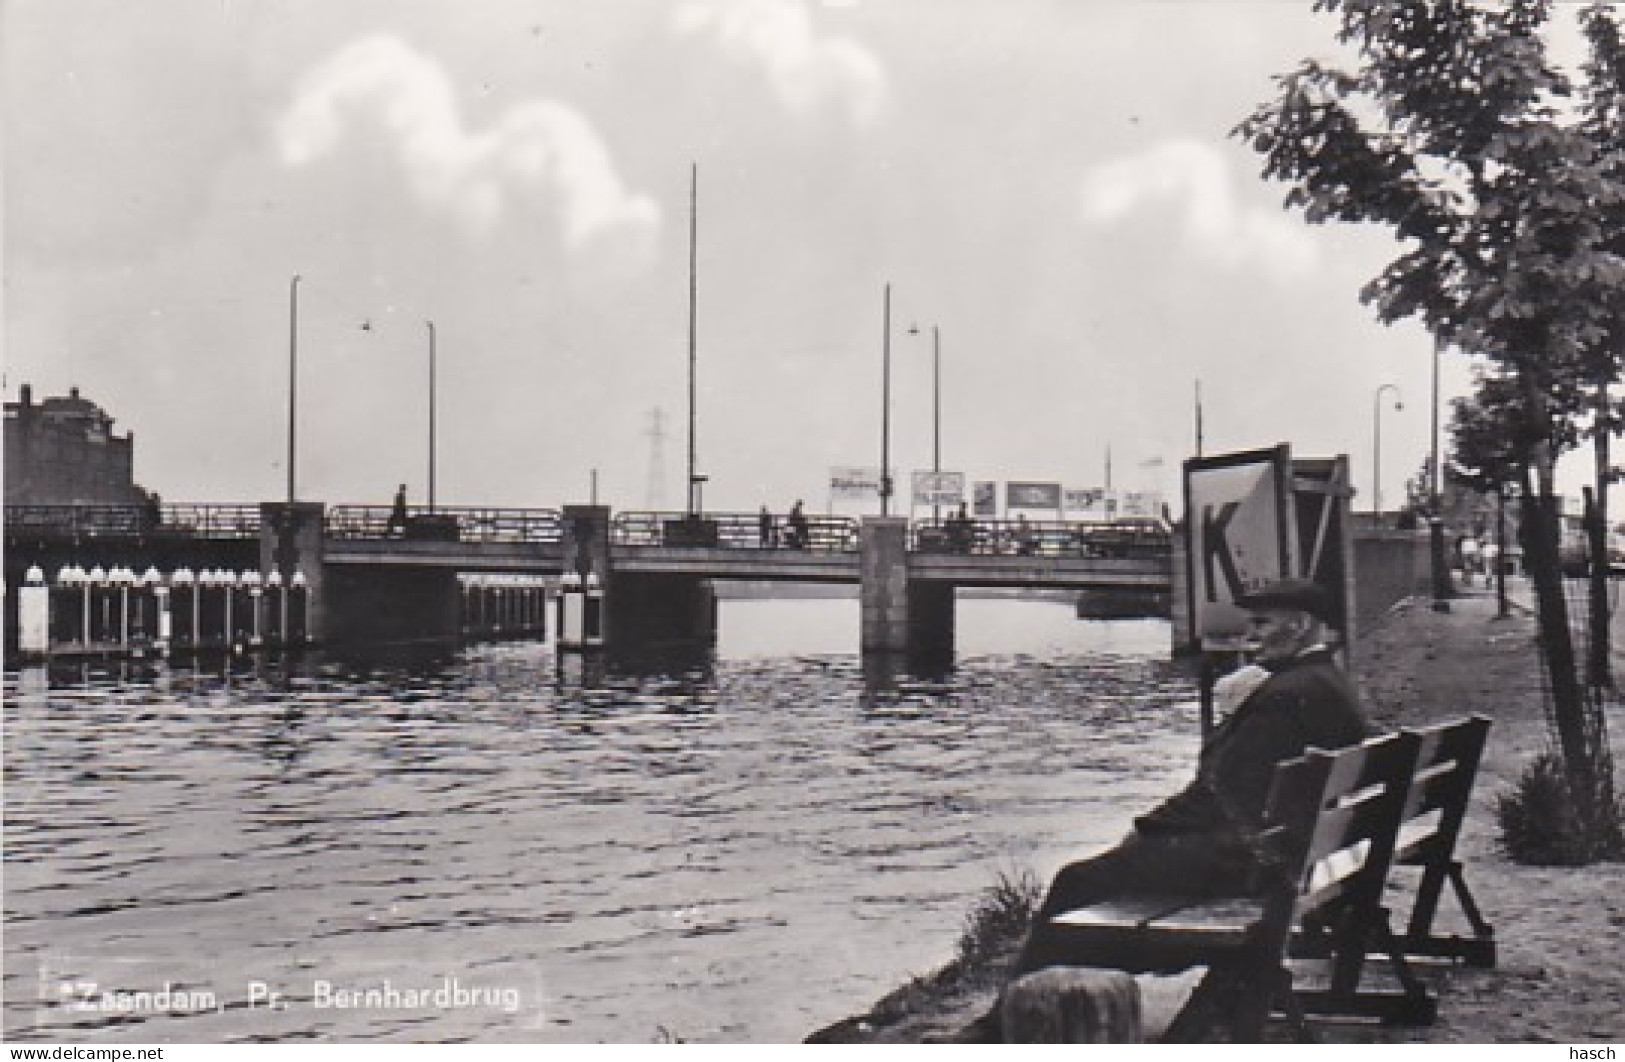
<point x="1050" y="187"/>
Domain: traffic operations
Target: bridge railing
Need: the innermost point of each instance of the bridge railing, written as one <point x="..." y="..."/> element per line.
<point x="237" y="520"/>
<point x="232" y="520"/>
<point x="1036" y="538"/>
<point x="812" y="533"/>
<point x="448" y="524"/>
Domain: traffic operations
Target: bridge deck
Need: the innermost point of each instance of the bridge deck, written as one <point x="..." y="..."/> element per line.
<point x="735" y="546"/>
<point x="760" y="565"/>
<point x="529" y="557"/>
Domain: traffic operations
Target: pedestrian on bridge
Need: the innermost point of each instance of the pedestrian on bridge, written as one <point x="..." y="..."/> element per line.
<point x="961" y="532"/>
<point x="397" y="515"/>
<point x="798" y="536"/>
<point x="767" y="529"/>
<point x="1026" y="545"/>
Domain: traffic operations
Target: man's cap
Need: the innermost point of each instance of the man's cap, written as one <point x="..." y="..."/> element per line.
<point x="1299" y="594"/>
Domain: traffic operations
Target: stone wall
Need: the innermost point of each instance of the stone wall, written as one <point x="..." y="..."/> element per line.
<point x="1388" y="567"/>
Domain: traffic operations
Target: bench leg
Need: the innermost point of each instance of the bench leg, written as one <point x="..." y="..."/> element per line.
<point x="1207" y="1008"/>
<point x="1412" y="1005"/>
<point x="1427" y="901"/>
<point x="1419" y="938"/>
<point x="1349" y="944"/>
<point x="1238" y="996"/>
<point x="1417" y="1001"/>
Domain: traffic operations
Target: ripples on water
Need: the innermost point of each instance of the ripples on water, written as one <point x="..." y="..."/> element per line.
<point x="733" y="849"/>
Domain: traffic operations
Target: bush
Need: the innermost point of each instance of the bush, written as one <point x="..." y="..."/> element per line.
<point x="1543" y="824"/>
<point x="999" y="920"/>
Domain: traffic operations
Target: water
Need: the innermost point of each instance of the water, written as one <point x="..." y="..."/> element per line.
<point x="734" y="850"/>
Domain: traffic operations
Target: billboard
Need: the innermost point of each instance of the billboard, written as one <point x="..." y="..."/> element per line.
<point x="1139" y="503"/>
<point x="1089" y="504"/>
<point x="985" y="498"/>
<point x="1032" y="496"/>
<point x="854" y="484"/>
<point x="939" y="488"/>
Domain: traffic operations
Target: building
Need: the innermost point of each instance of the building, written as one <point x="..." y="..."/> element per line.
<point x="63" y="451"/>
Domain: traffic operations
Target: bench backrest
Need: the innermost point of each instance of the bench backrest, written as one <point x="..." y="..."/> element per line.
<point x="1436" y="805"/>
<point x="1332" y="820"/>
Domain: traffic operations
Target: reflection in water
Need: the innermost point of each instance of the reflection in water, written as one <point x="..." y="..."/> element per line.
<point x="886" y="675"/>
<point x="732" y="846"/>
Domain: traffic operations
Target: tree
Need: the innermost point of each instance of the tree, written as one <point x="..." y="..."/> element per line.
<point x="1456" y="132"/>
<point x="1604" y="124"/>
<point x="1491" y="446"/>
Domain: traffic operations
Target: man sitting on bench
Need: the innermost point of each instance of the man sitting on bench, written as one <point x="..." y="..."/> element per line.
<point x="1201" y="841"/>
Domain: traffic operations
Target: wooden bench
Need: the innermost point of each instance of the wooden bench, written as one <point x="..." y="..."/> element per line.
<point x="1332" y="823"/>
<point x="1435" y="808"/>
<point x="1434" y="811"/>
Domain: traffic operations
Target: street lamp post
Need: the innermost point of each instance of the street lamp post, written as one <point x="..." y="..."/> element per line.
<point x="936" y="403"/>
<point x="1376" y="444"/>
<point x="293" y="380"/>
<point x="936" y="413"/>
<point x="696" y="481"/>
<point x="431" y="412"/>
<point x="1441" y="569"/>
<point x="885" y="408"/>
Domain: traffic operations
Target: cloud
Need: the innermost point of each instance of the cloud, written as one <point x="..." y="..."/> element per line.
<point x="805" y="70"/>
<point x="536" y="148"/>
<point x="1194" y="179"/>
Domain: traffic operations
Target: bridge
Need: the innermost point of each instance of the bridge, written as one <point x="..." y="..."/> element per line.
<point x="375" y="573"/>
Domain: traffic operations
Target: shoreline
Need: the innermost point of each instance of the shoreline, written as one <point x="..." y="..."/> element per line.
<point x="1559" y="930"/>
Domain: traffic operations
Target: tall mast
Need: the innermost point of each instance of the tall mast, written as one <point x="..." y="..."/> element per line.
<point x="693" y="230"/>
<point x="885" y="407"/>
<point x="1198" y="418"/>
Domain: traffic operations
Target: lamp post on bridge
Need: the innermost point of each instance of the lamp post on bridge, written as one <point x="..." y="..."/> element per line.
<point x="293" y="381"/>
<point x="367" y="326"/>
<point x="885" y="407"/>
<point x="936" y="413"/>
<point x="431" y="411"/>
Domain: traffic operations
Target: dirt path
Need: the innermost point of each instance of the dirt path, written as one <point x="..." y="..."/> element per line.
<point x="1560" y="931"/>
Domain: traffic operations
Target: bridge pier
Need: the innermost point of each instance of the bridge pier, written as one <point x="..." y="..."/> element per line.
<point x="586" y="554"/>
<point x="292" y="539"/>
<point x="900" y="614"/>
<point x="883" y="584"/>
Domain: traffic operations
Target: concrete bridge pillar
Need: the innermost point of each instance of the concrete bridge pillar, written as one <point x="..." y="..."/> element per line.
<point x="291" y="540"/>
<point x="900" y="614"/>
<point x="586" y="552"/>
<point x="883" y="583"/>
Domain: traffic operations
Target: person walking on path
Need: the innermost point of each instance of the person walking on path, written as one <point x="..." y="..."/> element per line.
<point x="1203" y="841"/>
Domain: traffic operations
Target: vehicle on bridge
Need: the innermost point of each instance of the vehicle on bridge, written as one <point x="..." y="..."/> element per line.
<point x="1126" y="537"/>
<point x="814" y="532"/>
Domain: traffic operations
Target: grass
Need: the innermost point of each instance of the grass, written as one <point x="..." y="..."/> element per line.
<point x="998" y="921"/>
<point x="993" y="930"/>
